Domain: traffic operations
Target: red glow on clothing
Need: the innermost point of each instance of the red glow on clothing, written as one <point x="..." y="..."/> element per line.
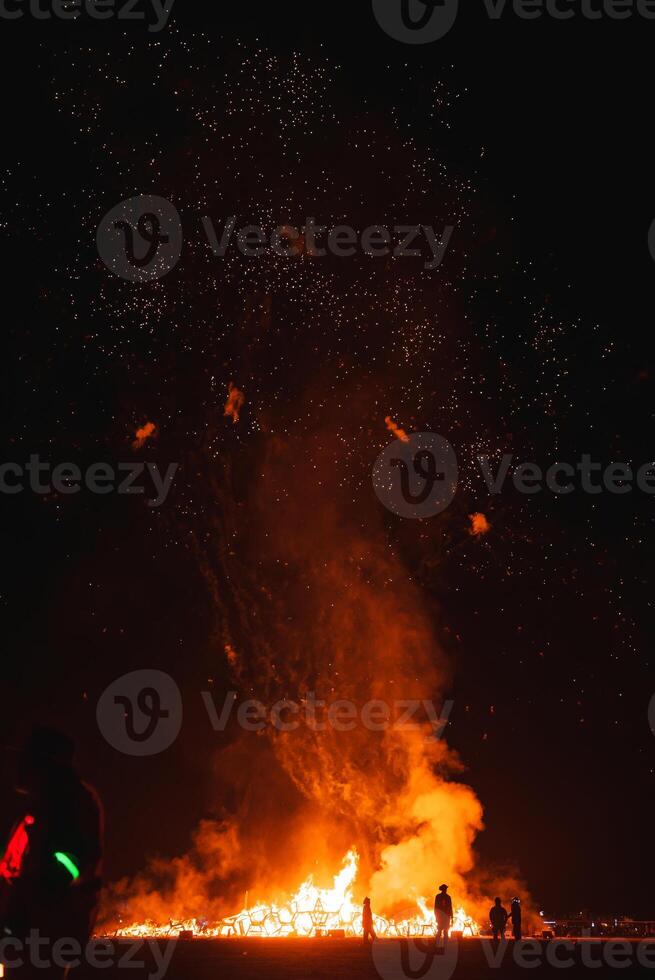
<point x="12" y="862"/>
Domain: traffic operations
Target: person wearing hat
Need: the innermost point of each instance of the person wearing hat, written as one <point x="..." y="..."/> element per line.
<point x="515" y="916"/>
<point x="443" y="913"/>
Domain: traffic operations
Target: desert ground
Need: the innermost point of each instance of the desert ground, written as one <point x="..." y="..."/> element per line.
<point x="350" y="959"/>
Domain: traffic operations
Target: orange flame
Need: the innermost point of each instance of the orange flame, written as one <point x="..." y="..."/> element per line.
<point x="311" y="911"/>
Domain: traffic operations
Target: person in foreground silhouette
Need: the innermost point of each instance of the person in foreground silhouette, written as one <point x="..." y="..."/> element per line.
<point x="498" y="919"/>
<point x="443" y="913"/>
<point x="515" y="915"/>
<point x="50" y="871"/>
<point x="367" y="921"/>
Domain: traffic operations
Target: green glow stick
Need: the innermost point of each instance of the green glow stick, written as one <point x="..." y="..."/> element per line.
<point x="70" y="865"/>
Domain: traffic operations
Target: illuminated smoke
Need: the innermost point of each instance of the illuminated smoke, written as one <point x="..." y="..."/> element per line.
<point x="318" y="606"/>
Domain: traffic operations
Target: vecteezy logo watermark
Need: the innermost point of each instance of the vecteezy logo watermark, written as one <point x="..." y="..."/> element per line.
<point x="416" y="21"/>
<point x="141" y="712"/>
<point x="99" y="478"/>
<point x="416" y="476"/>
<point x="141" y="238"/>
<point x="424" y="21"/>
<point x="157" y="13"/>
<point x="410" y="959"/>
<point x="651" y="240"/>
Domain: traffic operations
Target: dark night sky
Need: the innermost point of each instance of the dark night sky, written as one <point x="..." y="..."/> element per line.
<point x="545" y="133"/>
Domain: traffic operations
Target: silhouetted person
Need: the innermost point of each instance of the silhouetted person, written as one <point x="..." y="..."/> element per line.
<point x="367" y="921"/>
<point x="515" y="915"/>
<point x="50" y="872"/>
<point x="443" y="913"/>
<point x="498" y="919"/>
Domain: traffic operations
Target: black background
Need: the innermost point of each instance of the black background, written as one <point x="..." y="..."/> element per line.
<point x="563" y="763"/>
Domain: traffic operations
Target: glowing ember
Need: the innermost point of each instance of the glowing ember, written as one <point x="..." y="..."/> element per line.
<point x="234" y="403"/>
<point x="396" y="430"/>
<point x="144" y="433"/>
<point x="310" y="912"/>
<point x="479" y="525"/>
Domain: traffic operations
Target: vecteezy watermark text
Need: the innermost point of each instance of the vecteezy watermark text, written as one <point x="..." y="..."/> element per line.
<point x="417" y="476"/>
<point x="141" y="713"/>
<point x="426" y="21"/>
<point x="318" y="715"/>
<point x="140" y="239"/>
<point x="411" y="958"/>
<point x="98" y="478"/>
<point x="68" y="953"/>
<point x="156" y="13"/>
<point x="563" y="478"/>
<point x="343" y="241"/>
